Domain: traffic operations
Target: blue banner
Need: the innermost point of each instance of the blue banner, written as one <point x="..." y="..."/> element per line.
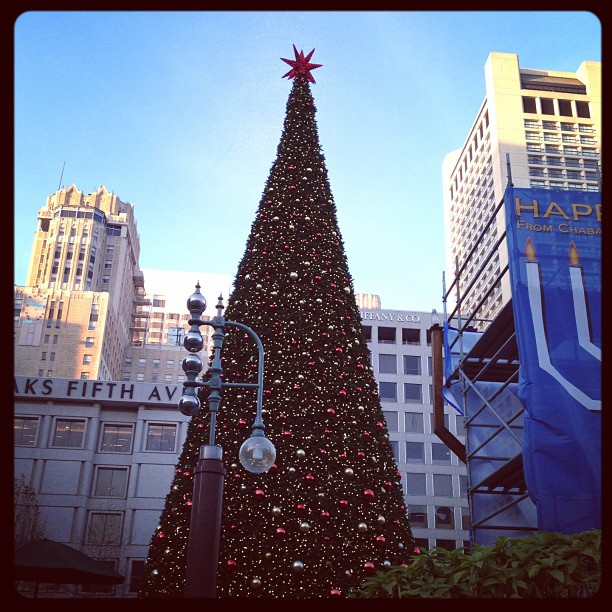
<point x="554" y="258"/>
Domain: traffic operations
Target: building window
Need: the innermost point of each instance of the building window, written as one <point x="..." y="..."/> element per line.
<point x="465" y="518"/>
<point x="24" y="431"/>
<point x="417" y="516"/>
<point x="161" y="437"/>
<point x="387" y="364"/>
<point x="565" y="108"/>
<point x="69" y="433"/>
<point x="142" y="362"/>
<point x="446" y="544"/>
<point x="116" y="438"/>
<point x="104" y="529"/>
<point x="136" y="575"/>
<point x="391" y="420"/>
<point x="415" y="452"/>
<point x="422" y="543"/>
<point x="443" y="485"/>
<point x="413" y="393"/>
<point x="412" y="364"/>
<point x="440" y="454"/>
<point x="388" y="391"/>
<point x="548" y="108"/>
<point x="529" y="105"/>
<point x="367" y="332"/>
<point x="154" y="378"/>
<point x="43" y="356"/>
<point x="582" y="109"/>
<point x="460" y="424"/>
<point x="411" y="336"/>
<point x="395" y="449"/>
<point x="170" y="363"/>
<point x="463" y="485"/>
<point x="168" y="378"/>
<point x="386" y="335"/>
<point x="413" y="422"/>
<point x="156" y="363"/>
<point x="140" y="377"/>
<point x="89" y="342"/>
<point x="416" y="484"/>
<point x="444" y="517"/>
<point x="86" y="359"/>
<point x="111" y="482"/>
<point x="84" y="375"/>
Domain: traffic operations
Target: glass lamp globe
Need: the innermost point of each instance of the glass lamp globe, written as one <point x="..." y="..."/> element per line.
<point x="196" y="302"/>
<point x="193" y="341"/>
<point x="257" y="454"/>
<point x="192" y="364"/>
<point x="189" y="405"/>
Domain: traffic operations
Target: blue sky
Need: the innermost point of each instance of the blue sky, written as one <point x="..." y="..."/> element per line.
<point x="180" y="114"/>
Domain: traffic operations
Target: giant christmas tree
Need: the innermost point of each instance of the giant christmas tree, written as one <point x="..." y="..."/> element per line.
<point x="330" y="511"/>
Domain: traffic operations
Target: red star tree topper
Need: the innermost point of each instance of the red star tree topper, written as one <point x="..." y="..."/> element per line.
<point x="300" y="65"/>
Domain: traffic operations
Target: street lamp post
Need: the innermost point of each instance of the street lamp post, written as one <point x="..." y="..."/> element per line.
<point x="257" y="453"/>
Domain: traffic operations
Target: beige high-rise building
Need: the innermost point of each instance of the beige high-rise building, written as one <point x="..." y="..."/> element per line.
<point x="543" y="125"/>
<point x="84" y="312"/>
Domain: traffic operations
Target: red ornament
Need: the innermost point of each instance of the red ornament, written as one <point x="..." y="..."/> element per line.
<point x="416" y="550"/>
<point x="231" y="565"/>
<point x="342" y="392"/>
<point x="335" y="592"/>
<point x="161" y="534"/>
<point x="300" y="65"/>
<point x="287" y="434"/>
<point x="369" y="494"/>
<point x="331" y="411"/>
<point x="301" y="507"/>
<point x="259" y="493"/>
<point x="380" y="540"/>
<point x="388" y="484"/>
<point x="343" y="502"/>
<point x="242" y="423"/>
<point x="310" y="478"/>
<point x="379" y="424"/>
<point x="280" y="532"/>
<point x="338" y="349"/>
<point x="369" y="566"/>
<point x="324" y="515"/>
<point x="360" y="454"/>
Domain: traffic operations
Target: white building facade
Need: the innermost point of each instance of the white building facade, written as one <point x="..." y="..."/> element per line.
<point x="101" y="455"/>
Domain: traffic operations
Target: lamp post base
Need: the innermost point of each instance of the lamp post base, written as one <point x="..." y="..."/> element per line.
<point x="205" y="524"/>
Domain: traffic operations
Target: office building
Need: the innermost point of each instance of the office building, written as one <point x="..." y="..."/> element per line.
<point x="542" y="126"/>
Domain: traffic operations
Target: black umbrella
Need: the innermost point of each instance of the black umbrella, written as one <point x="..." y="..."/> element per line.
<point x="49" y="561"/>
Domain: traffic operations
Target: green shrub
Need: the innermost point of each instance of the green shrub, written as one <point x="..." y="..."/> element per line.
<point x="543" y="565"/>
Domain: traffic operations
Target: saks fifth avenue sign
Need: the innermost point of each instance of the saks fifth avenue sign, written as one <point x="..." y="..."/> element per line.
<point x="30" y="387"/>
<point x="380" y="315"/>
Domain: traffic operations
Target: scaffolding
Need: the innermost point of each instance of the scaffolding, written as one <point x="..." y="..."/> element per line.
<point x="479" y="378"/>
